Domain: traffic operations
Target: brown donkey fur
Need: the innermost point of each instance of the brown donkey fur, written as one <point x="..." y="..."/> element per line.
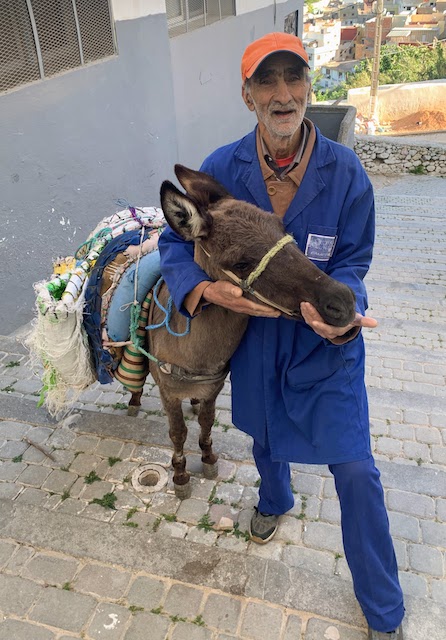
<point x="237" y="235"/>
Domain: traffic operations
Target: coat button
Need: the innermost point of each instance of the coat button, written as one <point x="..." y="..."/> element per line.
<point x="271" y="190"/>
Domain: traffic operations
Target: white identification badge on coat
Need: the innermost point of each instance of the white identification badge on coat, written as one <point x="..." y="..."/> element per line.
<point x="320" y="247"/>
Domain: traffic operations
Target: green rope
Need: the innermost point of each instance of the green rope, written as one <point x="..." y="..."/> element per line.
<point x="135" y="311"/>
<point x="85" y="247"/>
<point x="266" y="258"/>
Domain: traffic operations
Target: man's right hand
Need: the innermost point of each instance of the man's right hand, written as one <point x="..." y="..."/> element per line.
<point x="230" y="296"/>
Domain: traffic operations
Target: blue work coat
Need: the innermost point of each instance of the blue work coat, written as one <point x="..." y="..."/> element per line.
<point x="292" y="389"/>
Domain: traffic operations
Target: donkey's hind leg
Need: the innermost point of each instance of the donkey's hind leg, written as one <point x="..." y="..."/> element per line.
<point x="178" y="434"/>
<point x="206" y="419"/>
<point x="134" y="404"/>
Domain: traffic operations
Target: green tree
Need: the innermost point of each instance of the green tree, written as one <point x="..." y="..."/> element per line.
<point x="398" y="64"/>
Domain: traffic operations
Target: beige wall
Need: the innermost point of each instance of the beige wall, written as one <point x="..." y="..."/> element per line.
<point x="399" y="100"/>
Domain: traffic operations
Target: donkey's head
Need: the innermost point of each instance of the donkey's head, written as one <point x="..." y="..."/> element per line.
<point x="237" y="241"/>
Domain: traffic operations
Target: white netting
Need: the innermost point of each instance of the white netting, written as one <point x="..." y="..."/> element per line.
<point x="59" y="341"/>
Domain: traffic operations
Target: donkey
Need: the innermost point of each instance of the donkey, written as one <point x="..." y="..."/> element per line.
<point x="234" y="241"/>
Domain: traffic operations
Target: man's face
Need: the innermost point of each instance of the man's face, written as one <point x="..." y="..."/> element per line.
<point x="278" y="93"/>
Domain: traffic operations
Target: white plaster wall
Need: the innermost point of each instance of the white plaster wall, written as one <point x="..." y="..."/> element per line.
<point x="399" y="100"/>
<point x="245" y="6"/>
<point x="132" y="9"/>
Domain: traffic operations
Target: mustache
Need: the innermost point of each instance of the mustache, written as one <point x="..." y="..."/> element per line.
<point x="278" y="106"/>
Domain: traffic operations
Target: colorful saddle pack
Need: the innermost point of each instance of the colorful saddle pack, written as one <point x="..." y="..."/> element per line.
<point x="84" y="311"/>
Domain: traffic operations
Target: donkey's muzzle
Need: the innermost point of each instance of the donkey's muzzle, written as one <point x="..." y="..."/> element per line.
<point x="339" y="310"/>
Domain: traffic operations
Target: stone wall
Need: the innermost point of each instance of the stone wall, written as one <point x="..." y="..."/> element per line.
<point x="386" y="155"/>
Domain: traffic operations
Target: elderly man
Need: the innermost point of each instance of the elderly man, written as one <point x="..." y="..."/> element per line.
<point x="298" y="387"/>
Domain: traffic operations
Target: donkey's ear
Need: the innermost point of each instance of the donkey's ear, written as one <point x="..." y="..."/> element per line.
<point x="200" y="186"/>
<point x="182" y="213"/>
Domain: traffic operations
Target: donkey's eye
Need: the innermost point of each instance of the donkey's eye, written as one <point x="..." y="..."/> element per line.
<point x="241" y="266"/>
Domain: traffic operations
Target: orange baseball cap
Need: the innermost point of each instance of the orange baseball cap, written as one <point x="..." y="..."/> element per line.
<point x="260" y="49"/>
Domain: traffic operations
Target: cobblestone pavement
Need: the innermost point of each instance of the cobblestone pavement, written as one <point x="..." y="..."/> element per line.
<point x="84" y="554"/>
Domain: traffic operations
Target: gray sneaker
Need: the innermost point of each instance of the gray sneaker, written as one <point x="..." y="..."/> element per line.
<point x="263" y="526"/>
<point x="382" y="635"/>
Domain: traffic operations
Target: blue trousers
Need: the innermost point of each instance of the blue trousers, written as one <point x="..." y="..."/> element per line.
<point x="365" y="531"/>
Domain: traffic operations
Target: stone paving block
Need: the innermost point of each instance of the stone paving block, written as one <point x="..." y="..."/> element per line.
<point x="191" y="510"/>
<point x="84" y="463"/>
<point x="13" y="430"/>
<point x="10" y="471"/>
<point x="139" y="518"/>
<point x="271" y="551"/>
<point x="61" y="459"/>
<point x="402" y="431"/>
<point x="103" y="581"/>
<point x="53" y="570"/>
<point x="426" y="560"/>
<point x="32" y="385"/>
<point x="247" y="474"/>
<point x="310" y="485"/>
<point x="121" y="470"/>
<point x="293" y="628"/>
<point x="428" y="435"/>
<point x="19" y="630"/>
<point x="109" y="621"/>
<point x="319" y="629"/>
<point x="173" y="529"/>
<point x="309" y="559"/>
<point x="233" y="544"/>
<point x="183" y="601"/>
<point x="109" y="448"/>
<point x="9" y="490"/>
<point x="434" y="533"/>
<point x="39" y="434"/>
<point x="145" y="454"/>
<point x="222" y="612"/>
<point x="6" y="551"/>
<point x="62" y="438"/>
<point x="19" y="559"/>
<point x="321" y="535"/>
<point x="259" y="617"/>
<point x="34" y="456"/>
<point x="230" y="493"/>
<point x="412" y="584"/>
<point x="329" y="488"/>
<point x="438" y="455"/>
<point x="34" y="475"/>
<point x="141" y="622"/>
<point x="330" y="511"/>
<point x="202" y="488"/>
<point x="70" y="505"/>
<point x="13" y="449"/>
<point x="441" y="509"/>
<point x="96" y="490"/>
<point x="97" y="512"/>
<point x="85" y="444"/>
<point x="17" y="595"/>
<point x="226" y="469"/>
<point x="401" y="554"/>
<point x="62" y="609"/>
<point x="410" y="503"/>
<point x="388" y="446"/>
<point x="146" y="592"/>
<point x="438" y="589"/>
<point x="290" y="530"/>
<point x="202" y="536"/>
<point x="416" y="450"/>
<point x="403" y="526"/>
<point x="59" y="481"/>
<point x="164" y="503"/>
<point x="32" y="496"/>
<point x="187" y="631"/>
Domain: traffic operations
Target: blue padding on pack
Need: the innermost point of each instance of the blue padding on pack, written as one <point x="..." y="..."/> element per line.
<point x="118" y="318"/>
<point x="102" y="359"/>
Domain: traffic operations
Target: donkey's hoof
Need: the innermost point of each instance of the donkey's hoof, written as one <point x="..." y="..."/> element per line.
<point x="183" y="491"/>
<point x="210" y="471"/>
<point x="133" y="410"/>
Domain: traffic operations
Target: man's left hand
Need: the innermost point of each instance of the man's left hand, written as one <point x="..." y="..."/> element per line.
<point x="315" y="321"/>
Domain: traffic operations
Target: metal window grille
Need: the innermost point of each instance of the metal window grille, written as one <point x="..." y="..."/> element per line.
<point x="186" y="15"/>
<point x="40" y="38"/>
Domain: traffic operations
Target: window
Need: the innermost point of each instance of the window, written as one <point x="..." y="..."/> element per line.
<point x="40" y="38"/>
<point x="291" y="23"/>
<point x="186" y="15"/>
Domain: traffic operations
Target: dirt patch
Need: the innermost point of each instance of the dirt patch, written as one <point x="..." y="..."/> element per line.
<point x="420" y="121"/>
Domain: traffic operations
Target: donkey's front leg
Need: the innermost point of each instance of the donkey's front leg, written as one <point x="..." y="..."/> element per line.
<point x="206" y="419"/>
<point x="178" y="434"/>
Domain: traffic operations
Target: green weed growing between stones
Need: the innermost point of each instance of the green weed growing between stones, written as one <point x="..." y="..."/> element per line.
<point x="91" y="477"/>
<point x="112" y="461"/>
<point x="205" y="523"/>
<point x="107" y="501"/>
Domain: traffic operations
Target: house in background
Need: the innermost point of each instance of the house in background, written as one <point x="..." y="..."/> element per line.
<point x="98" y="101"/>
